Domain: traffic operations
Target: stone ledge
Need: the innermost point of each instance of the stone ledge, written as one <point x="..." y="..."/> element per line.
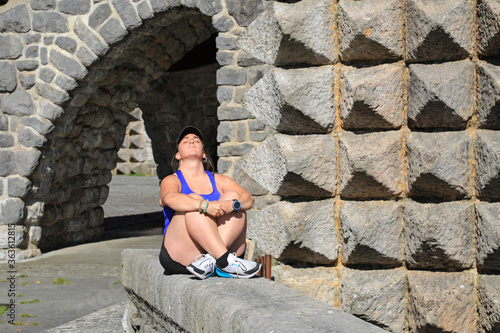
<point x="181" y="303"/>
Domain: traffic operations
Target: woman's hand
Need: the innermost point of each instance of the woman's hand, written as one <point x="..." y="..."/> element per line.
<point x="219" y="208"/>
<point x="215" y="209"/>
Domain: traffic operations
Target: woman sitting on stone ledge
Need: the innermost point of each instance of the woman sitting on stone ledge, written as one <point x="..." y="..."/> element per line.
<point x="207" y="228"/>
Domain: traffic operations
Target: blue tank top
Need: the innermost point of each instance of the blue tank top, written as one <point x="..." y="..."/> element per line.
<point x="214" y="196"/>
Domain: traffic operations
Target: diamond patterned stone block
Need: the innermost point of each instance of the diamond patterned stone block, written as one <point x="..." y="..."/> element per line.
<point x="488" y="95"/>
<point x="363" y="225"/>
<point x="303" y="231"/>
<point x="438" y="165"/>
<point x="439" y="29"/>
<point x="488" y="37"/>
<point x="293" y="33"/>
<point x="372" y="97"/>
<point x="370" y="31"/>
<point x="489" y="303"/>
<point x="439" y="236"/>
<point x="299" y="101"/>
<point x="488" y="236"/>
<point x="371" y="165"/>
<point x="300" y="165"/>
<point x="441" y="302"/>
<point x="377" y="296"/>
<point x="488" y="165"/>
<point x="440" y="96"/>
<point x="322" y="283"/>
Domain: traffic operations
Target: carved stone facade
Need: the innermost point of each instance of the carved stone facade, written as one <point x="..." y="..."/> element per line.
<point x="368" y="132"/>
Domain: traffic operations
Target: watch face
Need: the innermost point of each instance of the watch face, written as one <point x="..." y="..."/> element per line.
<point x="236" y="204"/>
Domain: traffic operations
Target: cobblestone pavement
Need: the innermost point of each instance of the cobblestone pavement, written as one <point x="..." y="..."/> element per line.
<point x="92" y="298"/>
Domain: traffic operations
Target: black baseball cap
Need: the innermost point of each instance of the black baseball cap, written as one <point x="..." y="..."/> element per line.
<point x="189" y="130"/>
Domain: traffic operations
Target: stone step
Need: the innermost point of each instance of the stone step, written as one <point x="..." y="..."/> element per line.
<point x="106" y="320"/>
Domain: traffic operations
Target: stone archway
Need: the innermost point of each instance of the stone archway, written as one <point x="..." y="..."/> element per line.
<point x="72" y="72"/>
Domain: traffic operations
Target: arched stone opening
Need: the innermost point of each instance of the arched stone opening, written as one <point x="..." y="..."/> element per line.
<point x="83" y="103"/>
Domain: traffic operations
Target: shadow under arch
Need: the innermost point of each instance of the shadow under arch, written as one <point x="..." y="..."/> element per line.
<point x="70" y="181"/>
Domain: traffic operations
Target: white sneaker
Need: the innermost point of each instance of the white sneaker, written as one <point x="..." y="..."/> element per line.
<point x="203" y="267"/>
<point x="238" y="268"/>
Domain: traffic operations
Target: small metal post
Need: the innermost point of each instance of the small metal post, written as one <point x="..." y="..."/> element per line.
<point x="260" y="261"/>
<point x="268" y="266"/>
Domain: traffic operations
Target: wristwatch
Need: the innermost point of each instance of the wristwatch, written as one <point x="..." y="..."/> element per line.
<point x="236" y="206"/>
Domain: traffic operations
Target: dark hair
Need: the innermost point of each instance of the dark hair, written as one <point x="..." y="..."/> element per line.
<point x="208" y="164"/>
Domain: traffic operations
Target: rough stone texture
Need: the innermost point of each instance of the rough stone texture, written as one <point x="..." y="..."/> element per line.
<point x="283" y="166"/>
<point x="489" y="303"/>
<point x="294" y="33"/>
<point x="11" y="47"/>
<point x="228" y="305"/>
<point x="67" y="65"/>
<point x="372" y="97"/>
<point x="488" y="14"/>
<point x="297" y="231"/>
<point x="439" y="236"/>
<point x="298" y="101"/>
<point x="50" y="22"/>
<point x="15" y="20"/>
<point x="127" y="13"/>
<point x="440" y="96"/>
<point x="441" y="302"/>
<point x="90" y="38"/>
<point x="488" y="76"/>
<point x="8" y="81"/>
<point x="322" y="283"/>
<point x="27" y="65"/>
<point x="18" y="186"/>
<point x="244" y="12"/>
<point x="74" y="7"/>
<point x="66" y="43"/>
<point x="11" y="210"/>
<point x="17" y="232"/>
<point x="376" y="296"/>
<point x="488" y="236"/>
<point x="113" y="31"/>
<point x="370" y="165"/>
<point x="488" y="165"/>
<point x="26" y="161"/>
<point x="210" y="7"/>
<point x="438" y="165"/>
<point x="29" y="138"/>
<point x="370" y="31"/>
<point x="135" y="156"/>
<point x="18" y="103"/>
<point x="99" y="15"/>
<point x="363" y="225"/>
<point x="439" y="30"/>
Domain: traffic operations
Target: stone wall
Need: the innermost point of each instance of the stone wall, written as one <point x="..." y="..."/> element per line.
<point x="368" y="133"/>
<point x="219" y="305"/>
<point x="382" y="157"/>
<point x="192" y="99"/>
<point x="135" y="157"/>
<point x="73" y="72"/>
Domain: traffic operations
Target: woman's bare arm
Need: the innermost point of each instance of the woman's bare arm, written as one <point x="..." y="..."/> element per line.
<point x="171" y="197"/>
<point x="225" y="184"/>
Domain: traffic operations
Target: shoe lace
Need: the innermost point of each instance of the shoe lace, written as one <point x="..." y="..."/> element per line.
<point x="237" y="262"/>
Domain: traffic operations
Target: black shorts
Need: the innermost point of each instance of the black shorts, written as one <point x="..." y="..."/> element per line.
<point x="170" y="266"/>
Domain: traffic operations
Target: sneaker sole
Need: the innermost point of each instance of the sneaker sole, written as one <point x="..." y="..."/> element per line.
<point x="223" y="274"/>
<point x="200" y="276"/>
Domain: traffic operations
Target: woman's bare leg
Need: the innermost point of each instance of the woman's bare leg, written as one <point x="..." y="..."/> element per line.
<point x="233" y="227"/>
<point x="192" y="234"/>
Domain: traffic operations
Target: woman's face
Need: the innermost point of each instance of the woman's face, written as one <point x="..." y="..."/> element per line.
<point x="190" y="145"/>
